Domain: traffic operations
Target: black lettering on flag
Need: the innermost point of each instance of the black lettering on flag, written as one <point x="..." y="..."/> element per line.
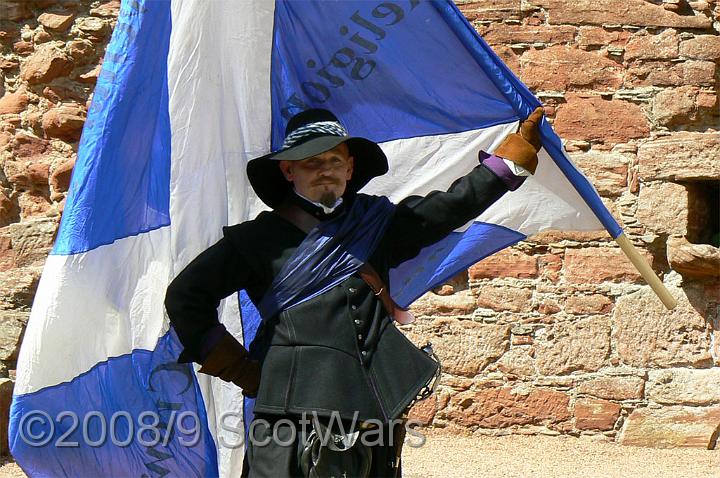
<point x="386" y="9"/>
<point x="363" y="42"/>
<point x="135" y="6"/>
<point x="113" y="58"/>
<point x="334" y="80"/>
<point x="107" y="75"/>
<point x="153" y="466"/>
<point x="295" y="105"/>
<point x="359" y="20"/>
<point x="309" y="88"/>
<point x="343" y="58"/>
<point x="172" y="367"/>
<point x="337" y="59"/>
<point x="129" y="29"/>
<point x="359" y="71"/>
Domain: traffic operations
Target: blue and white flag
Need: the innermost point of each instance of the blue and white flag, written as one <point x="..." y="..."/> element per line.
<point x="190" y="90"/>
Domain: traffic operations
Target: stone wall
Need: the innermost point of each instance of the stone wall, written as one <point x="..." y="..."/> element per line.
<point x="559" y="334"/>
<point x="556" y="335"/>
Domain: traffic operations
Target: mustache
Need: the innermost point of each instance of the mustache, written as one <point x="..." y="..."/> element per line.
<point x="321" y="181"/>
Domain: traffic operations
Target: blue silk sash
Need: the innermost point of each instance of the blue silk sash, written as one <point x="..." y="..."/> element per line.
<point x="331" y="252"/>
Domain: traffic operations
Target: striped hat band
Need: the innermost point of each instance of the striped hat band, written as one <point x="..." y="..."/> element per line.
<point x="321" y="127"/>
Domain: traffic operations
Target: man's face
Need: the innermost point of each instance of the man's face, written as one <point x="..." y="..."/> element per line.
<point x="321" y="178"/>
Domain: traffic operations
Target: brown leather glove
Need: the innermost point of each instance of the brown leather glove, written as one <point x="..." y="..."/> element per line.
<point x="229" y="361"/>
<point x="522" y="148"/>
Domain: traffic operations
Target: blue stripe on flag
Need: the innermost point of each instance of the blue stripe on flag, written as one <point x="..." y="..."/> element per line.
<point x="93" y="425"/>
<point x="121" y="182"/>
<point x="437" y="263"/>
<point x="389" y="70"/>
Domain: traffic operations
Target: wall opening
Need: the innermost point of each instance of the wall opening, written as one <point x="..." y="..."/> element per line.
<point x="704" y="212"/>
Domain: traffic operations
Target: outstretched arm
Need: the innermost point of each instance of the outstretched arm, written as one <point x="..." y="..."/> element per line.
<point x="421" y="221"/>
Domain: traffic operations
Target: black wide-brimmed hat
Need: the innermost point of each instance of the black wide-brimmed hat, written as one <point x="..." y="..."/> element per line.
<point x="307" y="134"/>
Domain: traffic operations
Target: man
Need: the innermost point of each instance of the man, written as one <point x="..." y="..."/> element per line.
<point x="317" y="268"/>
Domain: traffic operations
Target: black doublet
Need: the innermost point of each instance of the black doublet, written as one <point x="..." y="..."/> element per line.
<point x="339" y="351"/>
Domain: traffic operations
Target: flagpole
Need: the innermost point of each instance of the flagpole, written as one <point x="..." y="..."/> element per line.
<point x="646" y="271"/>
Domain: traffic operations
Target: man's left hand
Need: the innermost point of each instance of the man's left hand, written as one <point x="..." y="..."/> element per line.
<point x="521" y="148"/>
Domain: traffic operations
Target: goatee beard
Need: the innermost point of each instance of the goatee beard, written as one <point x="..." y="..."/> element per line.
<point x="328" y="199"/>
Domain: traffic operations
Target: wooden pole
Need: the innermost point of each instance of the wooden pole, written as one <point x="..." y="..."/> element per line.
<point x="646" y="271"/>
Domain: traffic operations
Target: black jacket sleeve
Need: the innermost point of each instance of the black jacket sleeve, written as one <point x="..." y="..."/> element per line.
<point x="193" y="297"/>
<point x="421" y="221"/>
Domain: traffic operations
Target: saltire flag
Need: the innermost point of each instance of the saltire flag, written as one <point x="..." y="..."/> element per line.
<point x="190" y="90"/>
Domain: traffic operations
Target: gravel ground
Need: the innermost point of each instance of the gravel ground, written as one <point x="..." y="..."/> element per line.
<point x="554" y="457"/>
<point x="538" y="456"/>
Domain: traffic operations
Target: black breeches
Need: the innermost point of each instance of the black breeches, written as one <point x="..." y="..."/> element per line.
<point x="278" y="445"/>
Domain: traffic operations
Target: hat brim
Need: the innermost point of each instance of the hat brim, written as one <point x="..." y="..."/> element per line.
<point x="270" y="184"/>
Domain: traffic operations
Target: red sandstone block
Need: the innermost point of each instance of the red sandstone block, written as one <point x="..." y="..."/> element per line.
<point x="503" y="407"/>
<point x="702" y="47"/>
<point x="425" y="410"/>
<point x="619" y="12"/>
<point x="64" y="122"/>
<point x="502" y="298"/>
<point x="659" y="73"/>
<point x="563" y="67"/>
<point x="508" y="56"/>
<point x="13" y="102"/>
<point x="490" y="10"/>
<point x="596" y="414"/>
<point x="664" y="46"/>
<point x="23" y="47"/>
<point x="501" y="34"/>
<point x="597" y="37"/>
<point x="586" y="118"/>
<point x="614" y="388"/>
<point x="47" y="63"/>
<point x="599" y="264"/>
<point x="506" y="263"/>
<point x="588" y="304"/>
